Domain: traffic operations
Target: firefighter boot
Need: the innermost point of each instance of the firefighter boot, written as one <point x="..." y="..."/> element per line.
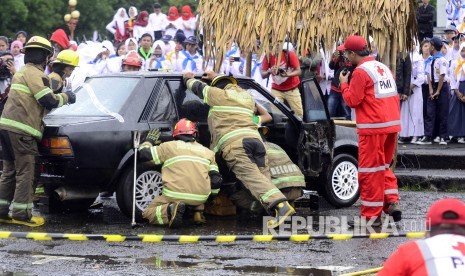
<point x="283" y="210"/>
<point x="4" y="217"/>
<point x="199" y="218"/>
<point x="175" y="212"/>
<point x="394" y="211"/>
<point x="32" y="222"/>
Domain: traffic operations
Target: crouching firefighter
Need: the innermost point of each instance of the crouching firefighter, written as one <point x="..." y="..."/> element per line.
<point x="29" y="100"/>
<point x="189" y="171"/>
<point x="235" y="136"/>
<point x="63" y="66"/>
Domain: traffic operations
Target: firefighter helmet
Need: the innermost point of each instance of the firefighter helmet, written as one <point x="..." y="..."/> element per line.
<point x="219" y="78"/>
<point x="39" y="42"/>
<point x="68" y="57"/>
<point x="185" y="127"/>
<point x="132" y="58"/>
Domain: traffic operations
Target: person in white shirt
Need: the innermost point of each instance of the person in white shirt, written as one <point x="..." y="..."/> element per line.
<point x="158" y="59"/>
<point x="116" y="26"/>
<point x="172" y="22"/>
<point x="157" y="21"/>
<point x="131" y="45"/>
<point x="456" y="119"/>
<point x="141" y="26"/>
<point x="189" y="59"/>
<point x="129" y="24"/>
<point x="187" y="21"/>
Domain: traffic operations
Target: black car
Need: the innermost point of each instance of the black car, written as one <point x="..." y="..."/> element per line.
<point x="88" y="146"/>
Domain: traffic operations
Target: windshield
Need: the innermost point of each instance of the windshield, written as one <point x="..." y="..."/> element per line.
<point x="110" y="95"/>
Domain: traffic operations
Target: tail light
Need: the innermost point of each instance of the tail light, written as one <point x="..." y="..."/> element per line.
<point x="57" y="146"/>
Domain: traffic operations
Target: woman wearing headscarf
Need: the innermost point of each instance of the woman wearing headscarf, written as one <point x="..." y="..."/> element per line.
<point x="187" y="21"/>
<point x="116" y="26"/>
<point x="158" y="59"/>
<point x="172" y="22"/>
<point x="456" y="119"/>
<point x="131" y="45"/>
<point x="101" y="61"/>
<point x="141" y="25"/>
<point x="129" y="24"/>
<point x="15" y="50"/>
<point x="22" y="36"/>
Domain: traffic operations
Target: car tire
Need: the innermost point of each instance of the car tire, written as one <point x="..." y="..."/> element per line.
<point x="149" y="186"/>
<point x="342" y="188"/>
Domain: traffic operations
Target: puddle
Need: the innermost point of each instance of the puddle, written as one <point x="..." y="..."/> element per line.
<point x="280" y="270"/>
<point x="158" y="263"/>
<point x="10" y="273"/>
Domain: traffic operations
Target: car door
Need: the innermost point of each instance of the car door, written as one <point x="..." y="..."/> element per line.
<point x="317" y="134"/>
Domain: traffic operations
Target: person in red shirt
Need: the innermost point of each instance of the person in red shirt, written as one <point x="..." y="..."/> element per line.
<point x="373" y="94"/>
<point x="441" y="253"/>
<point x="285" y="77"/>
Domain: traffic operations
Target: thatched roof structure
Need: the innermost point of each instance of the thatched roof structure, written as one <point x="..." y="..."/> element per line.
<point x="391" y="23"/>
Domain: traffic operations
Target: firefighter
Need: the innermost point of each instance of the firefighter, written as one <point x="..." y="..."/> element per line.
<point x="63" y="66"/>
<point x="132" y="62"/>
<point x="235" y="136"/>
<point x="30" y="99"/>
<point x="373" y="94"/>
<point x="189" y="172"/>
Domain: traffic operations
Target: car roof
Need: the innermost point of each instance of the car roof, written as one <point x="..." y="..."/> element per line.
<point x="151" y="74"/>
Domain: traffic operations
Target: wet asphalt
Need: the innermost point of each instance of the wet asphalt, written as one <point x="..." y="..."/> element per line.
<point x="316" y="257"/>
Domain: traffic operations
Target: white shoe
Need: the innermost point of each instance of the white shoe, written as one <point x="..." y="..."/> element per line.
<point x="437" y="139"/>
<point x="461" y="140"/>
<point x="414" y="140"/>
<point x="442" y="141"/>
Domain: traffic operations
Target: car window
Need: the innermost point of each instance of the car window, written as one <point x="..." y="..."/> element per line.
<point x="165" y="109"/>
<point x="313" y="103"/>
<point x="99" y="96"/>
<point x="190" y="105"/>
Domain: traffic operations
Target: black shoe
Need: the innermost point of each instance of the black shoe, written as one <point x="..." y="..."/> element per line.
<point x="175" y="213"/>
<point x="364" y="222"/>
<point x="426" y="140"/>
<point x="283" y="211"/>
<point x="404" y="140"/>
<point x="395" y="212"/>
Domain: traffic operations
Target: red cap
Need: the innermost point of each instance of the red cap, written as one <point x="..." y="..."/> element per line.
<point x="355" y="43"/>
<point x="435" y="215"/>
<point x="340" y="48"/>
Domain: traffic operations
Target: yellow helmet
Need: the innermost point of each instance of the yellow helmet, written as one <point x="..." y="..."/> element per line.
<point x="222" y="77"/>
<point x="39" y="42"/>
<point x="68" y="57"/>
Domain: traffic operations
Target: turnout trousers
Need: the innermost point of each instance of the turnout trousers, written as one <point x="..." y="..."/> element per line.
<point x="378" y="184"/>
<point x="157" y="211"/>
<point x="16" y="183"/>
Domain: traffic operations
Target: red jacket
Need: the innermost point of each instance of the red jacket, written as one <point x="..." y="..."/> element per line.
<point x="374" y="115"/>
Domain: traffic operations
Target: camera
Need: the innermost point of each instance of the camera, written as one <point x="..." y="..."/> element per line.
<point x="236" y="59"/>
<point x="281" y="71"/>
<point x="4" y="71"/>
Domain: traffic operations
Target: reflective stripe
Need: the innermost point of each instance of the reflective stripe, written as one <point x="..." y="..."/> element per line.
<point x="391" y="192"/>
<point x="5" y="202"/>
<point x="42" y="93"/>
<point x="28" y="129"/>
<point x="230" y="109"/>
<point x="427" y="257"/>
<point x="158" y="215"/>
<point x="186" y="196"/>
<point x="215" y="191"/>
<point x="379" y="125"/>
<point x="232" y="134"/>
<point x="372" y="203"/>
<point x="21" y="206"/>
<point x="277" y="152"/>
<point x="21" y="87"/>
<point x="155" y="157"/>
<point x="181" y="158"/>
<point x="60" y="98"/>
<point x="280" y="180"/>
<point x="368" y="170"/>
<point x="214" y="168"/>
<point x="205" y="94"/>
<point x="388" y="166"/>
<point x="40" y="190"/>
<point x="269" y="193"/>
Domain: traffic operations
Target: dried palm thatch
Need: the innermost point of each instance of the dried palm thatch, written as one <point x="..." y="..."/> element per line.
<point x="391" y="23"/>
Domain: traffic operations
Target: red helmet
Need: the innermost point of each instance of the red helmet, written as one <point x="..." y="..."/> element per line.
<point x="132" y="58"/>
<point x="185" y="126"/>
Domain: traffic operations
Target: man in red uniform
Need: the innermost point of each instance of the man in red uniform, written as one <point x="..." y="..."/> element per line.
<point x="373" y="94"/>
<point x="442" y="253"/>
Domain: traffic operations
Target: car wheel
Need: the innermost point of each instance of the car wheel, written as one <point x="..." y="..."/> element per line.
<point x="148" y="186"/>
<point x="342" y="189"/>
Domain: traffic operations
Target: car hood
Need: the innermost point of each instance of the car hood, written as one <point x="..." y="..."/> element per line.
<point x="56" y="121"/>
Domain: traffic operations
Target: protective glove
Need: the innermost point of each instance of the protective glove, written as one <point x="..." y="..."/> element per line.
<point x="215" y="180"/>
<point x="71" y="97"/>
<point x="153" y="136"/>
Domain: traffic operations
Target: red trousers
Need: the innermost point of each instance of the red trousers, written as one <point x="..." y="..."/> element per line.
<point x="378" y="184"/>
